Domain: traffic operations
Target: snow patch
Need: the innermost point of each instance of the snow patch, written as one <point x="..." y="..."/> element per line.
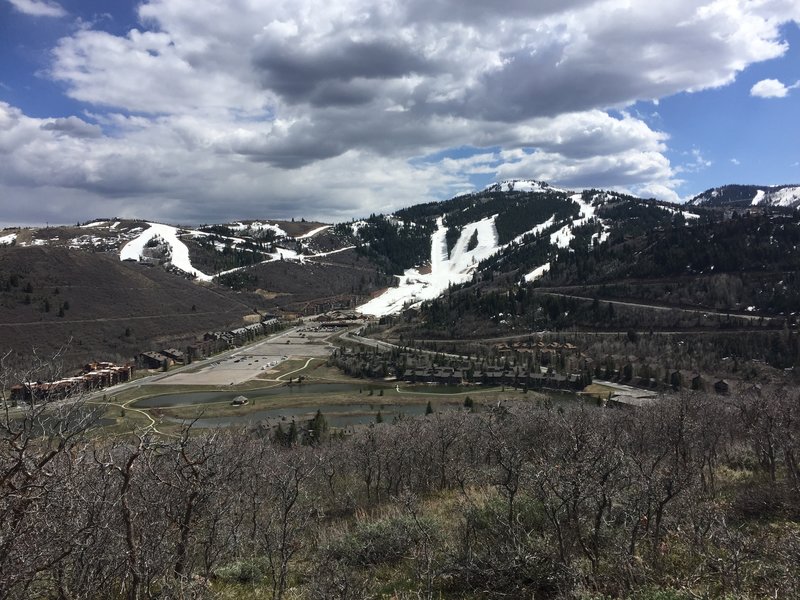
<point x="257" y="226"/>
<point x="537" y="272"/>
<point x="7" y="240"/>
<point x="414" y="287"/>
<point x="179" y="253"/>
<point x="759" y="198"/>
<point x="313" y="232"/>
<point x="788" y="197"/>
<point x="602" y="236"/>
<point x="678" y="211"/>
<point x="564" y="236"/>
<point x="522" y="185"/>
<point x="95" y="224"/>
<point x="536" y="230"/>
<point x="322" y="254"/>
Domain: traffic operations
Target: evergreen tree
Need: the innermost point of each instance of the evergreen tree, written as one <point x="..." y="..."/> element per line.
<point x="318" y="429"/>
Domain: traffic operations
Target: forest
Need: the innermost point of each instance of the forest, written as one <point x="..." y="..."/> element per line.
<point x="695" y="496"/>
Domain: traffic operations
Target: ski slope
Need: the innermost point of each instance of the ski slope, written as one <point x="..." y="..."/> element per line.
<point x="179" y="253"/>
<point x="414" y="287"/>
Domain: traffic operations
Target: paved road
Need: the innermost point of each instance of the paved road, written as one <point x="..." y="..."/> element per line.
<point x="371" y="343"/>
<point x="695" y="311"/>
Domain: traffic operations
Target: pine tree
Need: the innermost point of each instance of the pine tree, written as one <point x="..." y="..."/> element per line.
<point x="318" y="429"/>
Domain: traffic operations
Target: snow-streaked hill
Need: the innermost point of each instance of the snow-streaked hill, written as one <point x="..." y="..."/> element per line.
<point x="521" y="185"/>
<point x="553" y="219"/>
<point x="178" y="253"/>
<point x="415" y="287"/>
<point x="784" y="196"/>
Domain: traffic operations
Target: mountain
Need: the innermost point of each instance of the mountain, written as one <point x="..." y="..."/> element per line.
<point x="514" y="227"/>
<point x="116" y="287"/>
<point x="514" y="256"/>
<point x="740" y="196"/>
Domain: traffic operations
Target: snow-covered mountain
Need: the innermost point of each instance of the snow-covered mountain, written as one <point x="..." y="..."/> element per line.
<point x="235" y="245"/>
<point x="512" y="225"/>
<point x="521" y="185"/>
<point x="785" y="196"/>
<point x="524" y="230"/>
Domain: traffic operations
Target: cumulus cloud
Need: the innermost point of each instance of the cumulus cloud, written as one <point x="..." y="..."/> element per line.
<point x="39" y="8"/>
<point x="248" y="103"/>
<point x="771" y="88"/>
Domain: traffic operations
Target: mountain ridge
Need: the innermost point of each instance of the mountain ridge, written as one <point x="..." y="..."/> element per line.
<point x="741" y="196"/>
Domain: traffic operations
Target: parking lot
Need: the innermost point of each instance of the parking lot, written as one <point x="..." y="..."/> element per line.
<point x="246" y="363"/>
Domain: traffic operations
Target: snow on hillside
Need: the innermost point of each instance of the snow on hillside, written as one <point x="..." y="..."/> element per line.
<point x="323" y="254"/>
<point x="356" y="226"/>
<point x="179" y="253"/>
<point x="759" y="198"/>
<point x="313" y="232"/>
<point x="257" y="226"/>
<point x="535" y="231"/>
<point x="537" y="272"/>
<point x="7" y="240"/>
<point x="521" y="185"/>
<point x="788" y="197"/>
<point x="415" y="287"/>
<point x="564" y="236"/>
<point x="675" y="211"/>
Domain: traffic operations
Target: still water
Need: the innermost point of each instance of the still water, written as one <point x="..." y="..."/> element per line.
<point x="192" y="398"/>
<point x="337" y="415"/>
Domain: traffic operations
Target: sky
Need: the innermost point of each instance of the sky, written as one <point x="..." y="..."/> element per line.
<point x="200" y="111"/>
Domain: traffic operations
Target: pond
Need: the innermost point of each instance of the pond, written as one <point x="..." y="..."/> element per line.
<point x="408" y="404"/>
<point x="337" y="415"/>
<point x="193" y="398"/>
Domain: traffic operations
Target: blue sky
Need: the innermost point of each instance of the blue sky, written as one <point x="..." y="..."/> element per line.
<point x="193" y="110"/>
<point x="747" y="139"/>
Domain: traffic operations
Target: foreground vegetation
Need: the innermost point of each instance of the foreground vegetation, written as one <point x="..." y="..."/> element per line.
<point x="697" y="496"/>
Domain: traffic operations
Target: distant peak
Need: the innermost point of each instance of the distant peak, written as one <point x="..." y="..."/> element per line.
<point x="521" y="185"/>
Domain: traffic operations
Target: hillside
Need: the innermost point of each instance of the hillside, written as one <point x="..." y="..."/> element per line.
<point x="103" y="307"/>
<point x="517" y="228"/>
<point x="556" y="252"/>
<point x="740" y="196"/>
<point x="708" y="290"/>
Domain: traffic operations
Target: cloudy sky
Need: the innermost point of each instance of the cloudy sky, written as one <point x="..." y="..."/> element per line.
<point x="198" y="110"/>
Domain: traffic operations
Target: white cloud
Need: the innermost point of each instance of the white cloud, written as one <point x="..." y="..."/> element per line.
<point x="245" y="103"/>
<point x="736" y="161"/>
<point x="769" y="88"/>
<point x="39" y="8"/>
<point x="697" y="162"/>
